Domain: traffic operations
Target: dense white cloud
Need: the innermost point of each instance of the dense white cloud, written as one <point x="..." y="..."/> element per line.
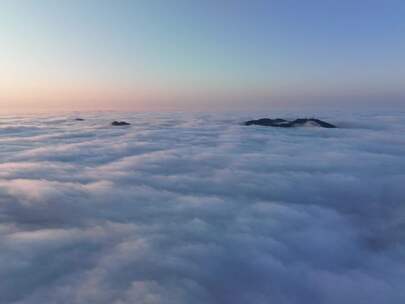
<point x="182" y="208"/>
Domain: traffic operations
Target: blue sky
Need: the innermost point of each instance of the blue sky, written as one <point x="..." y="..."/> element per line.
<point x="191" y="53"/>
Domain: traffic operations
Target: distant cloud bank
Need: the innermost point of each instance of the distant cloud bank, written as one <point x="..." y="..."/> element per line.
<point x="196" y="208"/>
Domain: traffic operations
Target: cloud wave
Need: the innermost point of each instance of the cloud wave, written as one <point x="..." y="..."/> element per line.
<point x="195" y="208"/>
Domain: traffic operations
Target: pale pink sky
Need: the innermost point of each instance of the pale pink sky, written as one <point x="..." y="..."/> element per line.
<point x="199" y="55"/>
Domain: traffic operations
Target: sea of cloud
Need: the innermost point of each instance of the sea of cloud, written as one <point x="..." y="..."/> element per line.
<point x="196" y="208"/>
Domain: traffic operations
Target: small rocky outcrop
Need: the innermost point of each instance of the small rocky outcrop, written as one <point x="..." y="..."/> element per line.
<point x="120" y="123"/>
<point x="282" y="123"/>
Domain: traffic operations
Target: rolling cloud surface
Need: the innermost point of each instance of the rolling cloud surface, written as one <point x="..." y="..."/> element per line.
<point x="196" y="208"/>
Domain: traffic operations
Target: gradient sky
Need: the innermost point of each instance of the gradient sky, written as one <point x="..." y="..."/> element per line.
<point x="179" y="54"/>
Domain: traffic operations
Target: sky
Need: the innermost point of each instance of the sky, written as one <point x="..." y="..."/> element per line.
<point x="174" y="55"/>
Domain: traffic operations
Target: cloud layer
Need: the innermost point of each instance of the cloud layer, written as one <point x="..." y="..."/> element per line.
<point x="195" y="208"/>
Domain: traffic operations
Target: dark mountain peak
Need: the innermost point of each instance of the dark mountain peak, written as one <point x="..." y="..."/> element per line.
<point x="282" y="123"/>
<point x="120" y="123"/>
